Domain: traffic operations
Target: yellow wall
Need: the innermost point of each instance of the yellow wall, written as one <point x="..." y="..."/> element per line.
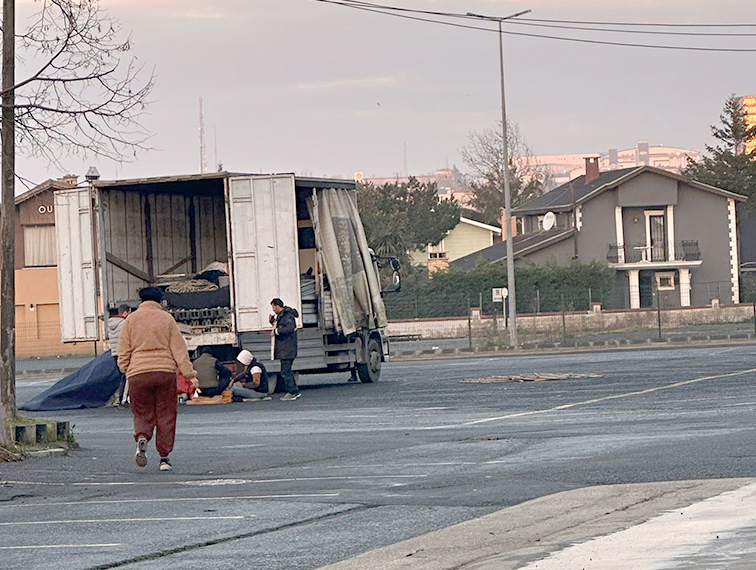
<point x="465" y="239"/>
<point x="38" y="318"/>
<point x="462" y="240"/>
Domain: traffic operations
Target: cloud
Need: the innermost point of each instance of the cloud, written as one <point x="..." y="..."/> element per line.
<point x="346" y="83"/>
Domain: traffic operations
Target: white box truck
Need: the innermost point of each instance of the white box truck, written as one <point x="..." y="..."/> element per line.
<point x="250" y="238"/>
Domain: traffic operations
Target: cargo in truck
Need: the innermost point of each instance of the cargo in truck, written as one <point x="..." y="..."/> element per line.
<point x="222" y="246"/>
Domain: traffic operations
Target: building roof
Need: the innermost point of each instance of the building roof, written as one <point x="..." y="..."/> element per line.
<point x="522" y="245"/>
<point x="43" y="187"/>
<point x="477" y="224"/>
<point x="577" y="191"/>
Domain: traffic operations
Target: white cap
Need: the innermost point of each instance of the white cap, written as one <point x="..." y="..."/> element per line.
<point x="245" y="357"/>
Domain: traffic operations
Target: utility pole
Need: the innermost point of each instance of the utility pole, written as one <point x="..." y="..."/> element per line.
<point x="8" y="227"/>
<point x="506" y="185"/>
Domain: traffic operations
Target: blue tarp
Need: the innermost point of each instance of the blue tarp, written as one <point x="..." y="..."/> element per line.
<point x="91" y="386"/>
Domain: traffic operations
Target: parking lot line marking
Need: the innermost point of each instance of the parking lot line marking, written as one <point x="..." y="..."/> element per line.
<point x="35" y="546"/>
<point x="151" y="519"/>
<point x="175" y="500"/>
<point x="591" y="401"/>
<point x="209" y="482"/>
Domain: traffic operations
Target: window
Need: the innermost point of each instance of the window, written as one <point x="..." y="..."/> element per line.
<point x="438" y="255"/>
<point x="665" y="280"/>
<point x="40" y="247"/>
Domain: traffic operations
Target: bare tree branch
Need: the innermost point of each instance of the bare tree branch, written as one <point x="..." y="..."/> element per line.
<point x="82" y="99"/>
<point x="484" y="157"/>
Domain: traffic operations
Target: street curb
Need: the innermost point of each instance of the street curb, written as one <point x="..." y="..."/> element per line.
<point x="47" y="372"/>
<point x="516" y="536"/>
<point x="570" y="348"/>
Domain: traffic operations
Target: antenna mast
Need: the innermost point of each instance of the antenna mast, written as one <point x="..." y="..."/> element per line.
<point x="203" y="158"/>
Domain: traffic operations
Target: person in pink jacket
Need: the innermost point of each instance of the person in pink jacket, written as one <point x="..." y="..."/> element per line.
<point x="150" y="350"/>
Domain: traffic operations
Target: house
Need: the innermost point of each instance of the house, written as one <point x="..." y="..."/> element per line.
<point x="466" y="237"/>
<point x="36" y="274"/>
<point x="658" y="230"/>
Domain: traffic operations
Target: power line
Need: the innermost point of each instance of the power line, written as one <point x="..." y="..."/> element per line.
<point x="647" y="24"/>
<point x="389" y="11"/>
<point x="651" y="32"/>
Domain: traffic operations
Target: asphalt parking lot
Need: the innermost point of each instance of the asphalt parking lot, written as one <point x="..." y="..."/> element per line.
<point x="352" y="467"/>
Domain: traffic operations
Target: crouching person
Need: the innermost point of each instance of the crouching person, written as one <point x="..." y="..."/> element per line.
<point x="150" y="350"/>
<point x="212" y="375"/>
<point x="252" y="382"/>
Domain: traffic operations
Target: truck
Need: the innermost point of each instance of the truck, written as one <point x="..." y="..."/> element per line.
<point x="222" y="246"/>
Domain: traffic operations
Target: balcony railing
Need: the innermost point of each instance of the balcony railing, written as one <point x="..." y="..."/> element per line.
<point x="685" y="250"/>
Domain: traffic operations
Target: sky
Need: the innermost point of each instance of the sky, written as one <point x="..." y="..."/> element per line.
<point x="322" y="90"/>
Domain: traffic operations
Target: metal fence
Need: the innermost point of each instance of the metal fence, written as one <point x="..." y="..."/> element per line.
<point x="569" y="316"/>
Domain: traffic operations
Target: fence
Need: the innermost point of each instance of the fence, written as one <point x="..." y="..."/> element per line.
<point x="567" y="316"/>
<point x="43" y="339"/>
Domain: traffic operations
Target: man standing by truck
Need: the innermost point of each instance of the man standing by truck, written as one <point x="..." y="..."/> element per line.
<point x="285" y="345"/>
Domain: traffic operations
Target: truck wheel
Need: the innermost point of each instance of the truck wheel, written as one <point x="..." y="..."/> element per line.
<point x="370" y="371"/>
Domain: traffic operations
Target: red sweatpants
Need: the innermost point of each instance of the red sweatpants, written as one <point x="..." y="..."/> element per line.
<point x="154" y="405"/>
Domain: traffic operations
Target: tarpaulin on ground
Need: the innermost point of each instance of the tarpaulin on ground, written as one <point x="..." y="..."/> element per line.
<point x="344" y="251"/>
<point x="91" y="386"/>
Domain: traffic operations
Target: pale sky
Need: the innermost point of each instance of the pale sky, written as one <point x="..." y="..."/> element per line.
<point x="306" y="87"/>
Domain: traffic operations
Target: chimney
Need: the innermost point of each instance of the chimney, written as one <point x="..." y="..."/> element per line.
<point x="70" y="179"/>
<point x="591" y="169"/>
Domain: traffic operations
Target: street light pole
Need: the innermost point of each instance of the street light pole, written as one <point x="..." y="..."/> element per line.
<point x="512" y="298"/>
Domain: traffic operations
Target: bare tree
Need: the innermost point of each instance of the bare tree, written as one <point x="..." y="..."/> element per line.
<point x="483" y="155"/>
<point x="81" y="97"/>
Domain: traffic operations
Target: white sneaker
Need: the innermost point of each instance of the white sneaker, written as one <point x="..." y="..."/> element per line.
<point x="141" y="451"/>
<point x="289" y="397"/>
<point x="165" y="464"/>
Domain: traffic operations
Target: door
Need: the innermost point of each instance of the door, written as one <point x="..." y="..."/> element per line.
<point x="264" y="251"/>
<point x="657" y="241"/>
<point x="76" y="265"/>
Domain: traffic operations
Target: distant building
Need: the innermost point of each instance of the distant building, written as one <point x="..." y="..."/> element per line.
<point x="450" y="182"/>
<point x="749" y="106"/>
<point x="563" y="168"/>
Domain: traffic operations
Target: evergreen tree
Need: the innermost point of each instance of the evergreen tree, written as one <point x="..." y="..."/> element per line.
<point x="402" y="217"/>
<point x="728" y="165"/>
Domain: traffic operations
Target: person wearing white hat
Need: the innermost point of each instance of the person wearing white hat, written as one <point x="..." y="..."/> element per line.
<point x="252" y="382"/>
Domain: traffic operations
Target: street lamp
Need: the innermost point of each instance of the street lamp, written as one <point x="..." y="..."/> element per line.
<point x="512" y="325"/>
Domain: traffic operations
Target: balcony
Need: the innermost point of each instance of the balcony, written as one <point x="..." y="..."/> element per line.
<point x="685" y="250"/>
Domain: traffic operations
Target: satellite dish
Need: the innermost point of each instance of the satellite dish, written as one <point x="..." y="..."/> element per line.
<point x="549" y="220"/>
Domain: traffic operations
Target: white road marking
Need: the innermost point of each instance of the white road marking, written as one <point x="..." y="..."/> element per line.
<point x="36" y="546"/>
<point x="588" y="402"/>
<point x="217" y="482"/>
<point x="174" y="500"/>
<point x="665" y="541"/>
<point x="152" y="519"/>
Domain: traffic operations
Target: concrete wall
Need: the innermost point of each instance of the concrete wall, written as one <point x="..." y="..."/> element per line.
<point x="702" y="216"/>
<point x="595" y="321"/>
<point x="38" y="316"/>
<point x="598" y="227"/>
<point x="559" y="253"/>
<point x="648" y="190"/>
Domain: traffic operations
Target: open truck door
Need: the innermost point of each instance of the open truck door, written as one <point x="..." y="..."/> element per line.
<point x="77" y="283"/>
<point x="264" y="253"/>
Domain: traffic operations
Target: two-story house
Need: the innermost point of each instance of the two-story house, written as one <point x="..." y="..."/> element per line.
<point x="659" y="231"/>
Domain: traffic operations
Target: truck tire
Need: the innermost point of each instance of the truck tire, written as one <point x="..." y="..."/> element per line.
<point x="370" y="371"/>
